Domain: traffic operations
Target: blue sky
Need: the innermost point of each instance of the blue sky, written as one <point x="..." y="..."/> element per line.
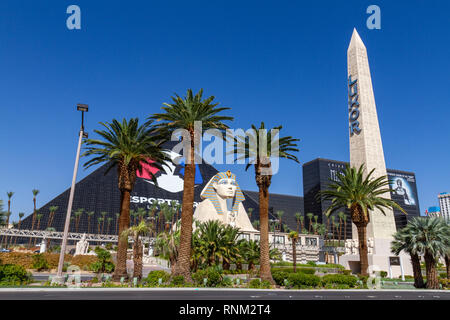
<point x="282" y="62"/>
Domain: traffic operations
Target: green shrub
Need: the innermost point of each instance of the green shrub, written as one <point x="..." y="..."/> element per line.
<point x="154" y="276"/>
<point x="39" y="262"/>
<point x="177" y="281"/>
<point x="255" y="283"/>
<point x="14" y="274"/>
<point x="104" y="262"/>
<point x="266" y="284"/>
<point x="445" y="283"/>
<point x="347" y="272"/>
<point x="443" y="275"/>
<point x="212" y="274"/>
<point x="306" y="270"/>
<point x="226" y="282"/>
<point x="333" y="280"/>
<point x="311" y="263"/>
<point x="383" y="274"/>
<point x="302" y="280"/>
<point x="279" y="277"/>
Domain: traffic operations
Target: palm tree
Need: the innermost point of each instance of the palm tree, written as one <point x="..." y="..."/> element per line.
<point x="8" y="214"/>
<point x="432" y="239"/>
<point x="99" y="223"/>
<point x="360" y="195"/>
<point x="259" y="149"/>
<point x="279" y="214"/>
<point x="117" y="219"/>
<point x="310" y="217"/>
<point x="250" y="211"/>
<point x="33" y="219"/>
<point x="109" y="220"/>
<point x="103" y="214"/>
<point x="341" y="216"/>
<point x="403" y="242"/>
<point x="256" y="224"/>
<point x="344" y="217"/>
<point x="297" y="218"/>
<point x="293" y="236"/>
<point x="21" y="215"/>
<point x="39" y="217"/>
<point x="125" y="146"/>
<point x="136" y="232"/>
<point x="302" y="224"/>
<point x="447" y="262"/>
<point x="183" y="114"/>
<point x="315" y="223"/>
<point x="2" y="214"/>
<point x="9" y="194"/>
<point x="52" y="210"/>
<point x="78" y="214"/>
<point x="89" y="214"/>
<point x="333" y="226"/>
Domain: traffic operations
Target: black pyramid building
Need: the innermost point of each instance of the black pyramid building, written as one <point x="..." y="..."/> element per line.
<point x="99" y="193"/>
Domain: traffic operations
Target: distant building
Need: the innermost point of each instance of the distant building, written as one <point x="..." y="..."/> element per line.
<point x="444" y="203"/>
<point x="433" y="212"/>
<point x="318" y="173"/>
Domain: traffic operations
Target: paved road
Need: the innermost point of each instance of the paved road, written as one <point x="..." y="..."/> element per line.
<point x="217" y="294"/>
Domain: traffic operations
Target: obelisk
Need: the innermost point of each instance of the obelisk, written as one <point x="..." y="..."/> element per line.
<point x="365" y="144"/>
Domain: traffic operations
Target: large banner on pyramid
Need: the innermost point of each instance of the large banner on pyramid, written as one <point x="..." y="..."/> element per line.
<point x="99" y="193"/>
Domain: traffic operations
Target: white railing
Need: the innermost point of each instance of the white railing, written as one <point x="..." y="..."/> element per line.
<point x="44" y="234"/>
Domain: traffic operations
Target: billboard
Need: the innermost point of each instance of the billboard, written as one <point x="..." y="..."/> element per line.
<point x="403" y="188"/>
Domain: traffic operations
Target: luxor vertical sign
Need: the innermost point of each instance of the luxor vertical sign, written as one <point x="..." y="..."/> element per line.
<point x="353" y="106"/>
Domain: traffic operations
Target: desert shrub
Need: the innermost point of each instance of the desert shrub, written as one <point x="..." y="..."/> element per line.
<point x="255" y="283"/>
<point x="177" y="281"/>
<point x="154" y="276"/>
<point x="40" y="263"/>
<point x="302" y="280"/>
<point x="83" y="261"/>
<point x="279" y="277"/>
<point x="333" y="280"/>
<point x="25" y="259"/>
<point x="14" y="274"/>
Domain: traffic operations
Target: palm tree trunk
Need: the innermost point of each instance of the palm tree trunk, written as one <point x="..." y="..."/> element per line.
<point x="430" y="265"/>
<point x="137" y="258"/>
<point x="362" y="239"/>
<point x="122" y="246"/>
<point x="418" y="279"/>
<point x="264" y="270"/>
<point x="182" y="267"/>
<point x="447" y="265"/>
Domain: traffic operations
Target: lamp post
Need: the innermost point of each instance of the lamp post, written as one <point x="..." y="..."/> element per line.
<point x="59" y="277"/>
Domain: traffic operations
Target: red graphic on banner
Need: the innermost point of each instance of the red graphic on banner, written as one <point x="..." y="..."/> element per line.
<point x="147" y="170"/>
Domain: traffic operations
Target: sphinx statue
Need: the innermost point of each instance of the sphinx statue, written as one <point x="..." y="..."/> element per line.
<point x="82" y="246"/>
<point x="222" y="201"/>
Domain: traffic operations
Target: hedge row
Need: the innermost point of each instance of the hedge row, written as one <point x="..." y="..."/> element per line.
<point x="302" y="280"/>
<point x="27" y="260"/>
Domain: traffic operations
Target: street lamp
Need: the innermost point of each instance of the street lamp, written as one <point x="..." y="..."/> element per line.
<point x="59" y="277"/>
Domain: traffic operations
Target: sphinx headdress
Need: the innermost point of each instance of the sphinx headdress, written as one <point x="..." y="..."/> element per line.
<point x="210" y="193"/>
